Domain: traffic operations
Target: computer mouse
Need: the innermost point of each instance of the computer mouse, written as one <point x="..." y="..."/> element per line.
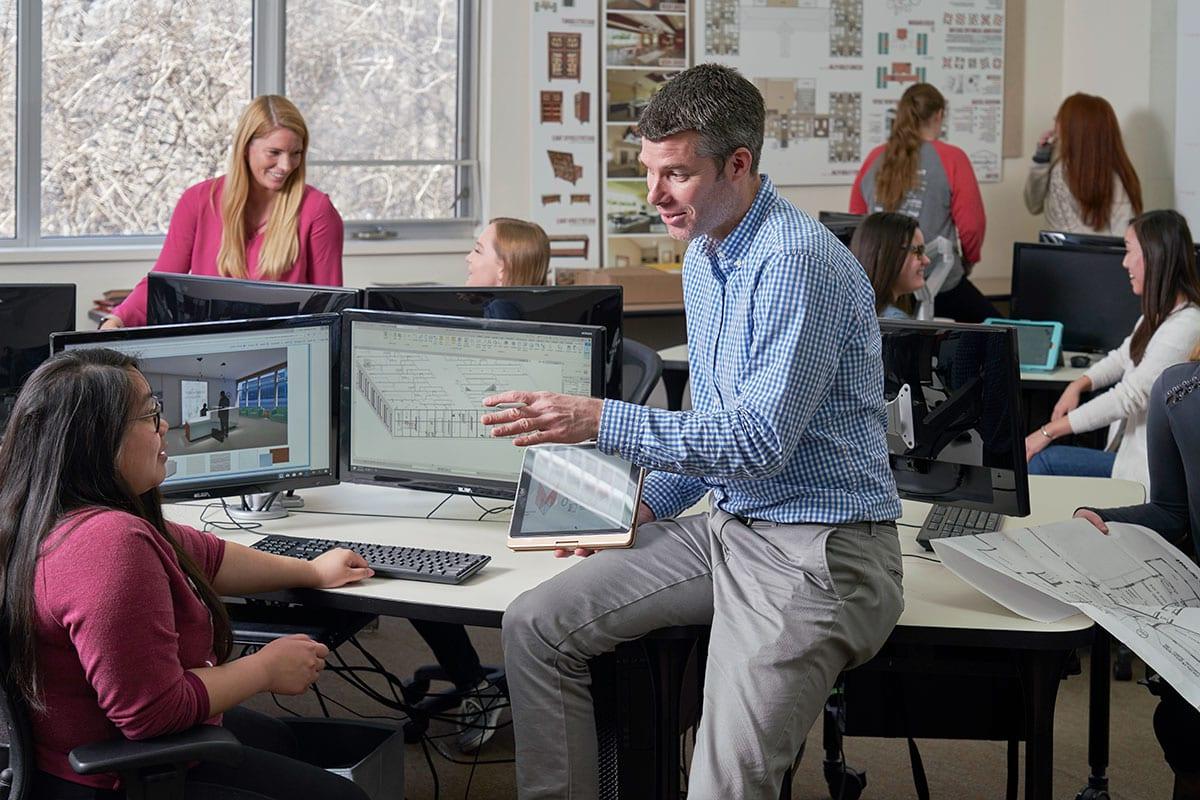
<point x="1080" y="361"/>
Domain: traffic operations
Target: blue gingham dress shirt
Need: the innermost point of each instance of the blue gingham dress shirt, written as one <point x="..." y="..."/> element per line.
<point x="788" y="420"/>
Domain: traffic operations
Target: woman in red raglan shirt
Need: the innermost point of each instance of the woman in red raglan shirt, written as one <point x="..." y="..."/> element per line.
<point x="915" y="174"/>
<point x="113" y="615"/>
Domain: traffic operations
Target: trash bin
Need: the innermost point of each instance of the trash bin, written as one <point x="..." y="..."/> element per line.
<point x="369" y="753"/>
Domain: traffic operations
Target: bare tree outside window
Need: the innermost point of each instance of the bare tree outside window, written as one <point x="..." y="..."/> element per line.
<point x="139" y="101"/>
<point x="8" y="119"/>
<point x="377" y="81"/>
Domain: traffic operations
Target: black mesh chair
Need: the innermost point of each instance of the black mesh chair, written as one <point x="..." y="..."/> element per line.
<point x="152" y="769"/>
<point x="641" y="368"/>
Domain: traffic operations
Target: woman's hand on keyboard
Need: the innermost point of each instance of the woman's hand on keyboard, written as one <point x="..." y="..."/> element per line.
<point x="339" y="567"/>
<point x="292" y="663"/>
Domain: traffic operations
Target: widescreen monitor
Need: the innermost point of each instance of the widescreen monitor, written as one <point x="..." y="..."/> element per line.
<point x="571" y="305"/>
<point x="954" y="415"/>
<point x="1085" y="239"/>
<point x="251" y="405"/>
<point x="29" y="313"/>
<point x="413" y="386"/>
<point x="173" y="299"/>
<point x="1084" y="288"/>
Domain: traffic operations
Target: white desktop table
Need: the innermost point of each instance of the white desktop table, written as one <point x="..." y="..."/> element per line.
<point x="939" y="608"/>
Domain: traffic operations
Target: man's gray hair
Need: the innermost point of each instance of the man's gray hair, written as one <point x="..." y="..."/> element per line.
<point x="715" y="101"/>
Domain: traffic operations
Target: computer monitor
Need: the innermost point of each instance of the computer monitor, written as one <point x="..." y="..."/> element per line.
<point x="954" y="415"/>
<point x="1084" y="288"/>
<point x="251" y="405"/>
<point x="1086" y="239"/>
<point x="29" y="313"/>
<point x="572" y="305"/>
<point x="413" y="386"/>
<point x="173" y="299"/>
<point x="842" y="224"/>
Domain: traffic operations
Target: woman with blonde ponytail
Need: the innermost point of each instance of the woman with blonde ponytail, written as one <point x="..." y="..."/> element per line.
<point x="933" y="182"/>
<point x="260" y="220"/>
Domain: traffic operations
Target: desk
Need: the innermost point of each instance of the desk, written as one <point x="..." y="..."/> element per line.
<point x="939" y="608"/>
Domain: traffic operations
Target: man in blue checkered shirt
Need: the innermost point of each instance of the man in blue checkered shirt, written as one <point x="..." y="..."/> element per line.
<point x="797" y="566"/>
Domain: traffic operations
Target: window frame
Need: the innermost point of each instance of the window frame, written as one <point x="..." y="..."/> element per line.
<point x="268" y="49"/>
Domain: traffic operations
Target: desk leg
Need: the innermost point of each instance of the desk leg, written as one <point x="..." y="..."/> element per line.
<point x="1098" y="718"/>
<point x="674" y="381"/>
<point x="1041" y="672"/>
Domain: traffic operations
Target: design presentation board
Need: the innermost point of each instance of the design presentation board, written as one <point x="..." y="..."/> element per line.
<point x="831" y="72"/>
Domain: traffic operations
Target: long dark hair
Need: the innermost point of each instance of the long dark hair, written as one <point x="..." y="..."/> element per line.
<point x="1169" y="257"/>
<point x="1091" y="151"/>
<point x="881" y="244"/>
<point x="902" y="156"/>
<point x="58" y="457"/>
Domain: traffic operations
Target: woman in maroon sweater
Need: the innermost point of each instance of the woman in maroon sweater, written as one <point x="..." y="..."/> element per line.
<point x="113" y="614"/>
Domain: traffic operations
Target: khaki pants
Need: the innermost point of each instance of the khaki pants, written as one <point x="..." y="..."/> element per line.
<point x="791" y="606"/>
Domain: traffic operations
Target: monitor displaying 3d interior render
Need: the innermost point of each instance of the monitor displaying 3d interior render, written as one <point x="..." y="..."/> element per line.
<point x="572" y="305"/>
<point x="413" y="386"/>
<point x="1084" y="288"/>
<point x="29" y="313"/>
<point x="172" y="299"/>
<point x="251" y="405"/>
<point x="954" y="417"/>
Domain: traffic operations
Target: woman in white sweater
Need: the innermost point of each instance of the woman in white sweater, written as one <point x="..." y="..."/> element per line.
<point x="1161" y="261"/>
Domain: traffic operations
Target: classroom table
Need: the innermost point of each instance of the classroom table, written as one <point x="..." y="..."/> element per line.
<point x="939" y="607"/>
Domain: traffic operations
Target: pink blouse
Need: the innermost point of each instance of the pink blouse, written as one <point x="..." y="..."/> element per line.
<point x="194" y="239"/>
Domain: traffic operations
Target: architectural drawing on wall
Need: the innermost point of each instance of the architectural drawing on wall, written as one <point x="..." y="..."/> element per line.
<point x="413" y="401"/>
<point x="791" y="106"/>
<point x="581" y="198"/>
<point x="564" y="55"/>
<point x="548" y="199"/>
<point x="645" y="40"/>
<point x="899" y="73"/>
<point x="673" y="6"/>
<point x="551" y="107"/>
<point x="722" y="36"/>
<point x="568" y="246"/>
<point x="622" y="148"/>
<point x="564" y="166"/>
<point x="845" y="127"/>
<point x="903" y="42"/>
<point x="629" y="91"/>
<point x="846" y="28"/>
<point x="628" y="211"/>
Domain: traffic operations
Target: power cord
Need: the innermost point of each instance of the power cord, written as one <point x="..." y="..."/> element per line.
<point x="923" y="558"/>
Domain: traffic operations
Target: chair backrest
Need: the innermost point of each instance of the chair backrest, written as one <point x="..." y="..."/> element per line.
<point x="14" y="726"/>
<point x="641" y="368"/>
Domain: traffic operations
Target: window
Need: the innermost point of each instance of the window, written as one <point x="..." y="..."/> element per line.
<point x="108" y="111"/>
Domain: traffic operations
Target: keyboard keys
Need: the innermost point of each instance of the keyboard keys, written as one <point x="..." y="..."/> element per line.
<point x="945" y="521"/>
<point x="412" y="563"/>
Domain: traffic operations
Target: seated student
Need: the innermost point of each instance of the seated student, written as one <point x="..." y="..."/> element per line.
<point x="1161" y="261"/>
<point x="113" y="615"/>
<point x="509" y="252"/>
<point x="260" y="220"/>
<point x="1173" y="445"/>
<point x="892" y="250"/>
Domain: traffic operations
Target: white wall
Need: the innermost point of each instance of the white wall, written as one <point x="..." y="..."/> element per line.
<point x="1122" y="49"/>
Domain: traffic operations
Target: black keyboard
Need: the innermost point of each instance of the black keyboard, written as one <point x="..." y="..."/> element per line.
<point x="411" y="563"/>
<point x="946" y="521"/>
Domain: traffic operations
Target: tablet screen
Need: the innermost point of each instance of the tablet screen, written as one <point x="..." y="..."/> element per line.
<point x="1034" y="343"/>
<point x="574" y="489"/>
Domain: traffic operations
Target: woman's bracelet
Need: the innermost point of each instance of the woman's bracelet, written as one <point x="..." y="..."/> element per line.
<point x="1046" y="433"/>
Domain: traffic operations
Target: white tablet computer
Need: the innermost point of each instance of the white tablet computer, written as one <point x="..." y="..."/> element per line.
<point x="574" y="496"/>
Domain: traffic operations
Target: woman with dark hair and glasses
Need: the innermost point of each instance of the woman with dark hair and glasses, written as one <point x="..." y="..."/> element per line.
<point x="892" y="251"/>
<point x="1161" y="261"/>
<point x="113" y="615"/>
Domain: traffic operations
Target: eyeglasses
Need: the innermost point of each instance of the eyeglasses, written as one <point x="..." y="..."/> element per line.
<point x="917" y="250"/>
<point x="156" y="413"/>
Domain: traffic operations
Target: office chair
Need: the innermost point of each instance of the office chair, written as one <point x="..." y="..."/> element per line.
<point x="152" y="769"/>
<point x="641" y="367"/>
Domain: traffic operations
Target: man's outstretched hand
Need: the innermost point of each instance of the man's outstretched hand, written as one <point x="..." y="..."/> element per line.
<point x="544" y="417"/>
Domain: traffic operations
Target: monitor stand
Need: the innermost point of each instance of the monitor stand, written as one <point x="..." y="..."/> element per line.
<point x="258" y="508"/>
<point x="290" y="500"/>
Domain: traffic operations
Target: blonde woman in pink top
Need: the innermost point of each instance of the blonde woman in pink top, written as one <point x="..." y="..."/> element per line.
<point x="259" y="220"/>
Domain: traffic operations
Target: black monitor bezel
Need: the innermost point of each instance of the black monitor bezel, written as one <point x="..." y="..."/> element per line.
<point x="154" y="280"/>
<point x="1070" y="239"/>
<point x="1070" y="341"/>
<point x="178" y="493"/>
<point x="36" y="293"/>
<point x="1020" y="468"/>
<point x="372" y="295"/>
<point x="420" y="481"/>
